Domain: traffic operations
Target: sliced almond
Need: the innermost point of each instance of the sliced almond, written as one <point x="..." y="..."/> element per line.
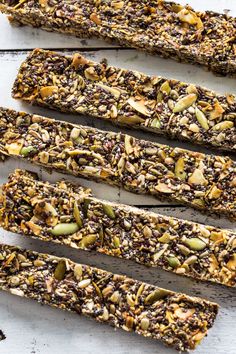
<point x="217" y="111"/>
<point x="15" y="148"/>
<point x="231" y="99"/>
<point x="185" y="102"/>
<point x="183" y="313"/>
<point x="190" y="17"/>
<point x="163" y="188"/>
<point x="78" y="60"/>
<point x="191" y="89"/>
<point x="91" y="74"/>
<point x="140" y="106"/>
<point x="197" y="177"/>
<point x="114" y="91"/>
<point x="232" y="262"/>
<point x="47" y="91"/>
<point x="95" y="18"/>
<point x="214" y="193"/>
<point x="117" y="5"/>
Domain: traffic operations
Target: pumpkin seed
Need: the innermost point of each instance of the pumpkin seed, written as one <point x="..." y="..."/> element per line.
<point x="179" y="168"/>
<point x="227" y="124"/>
<point x="109" y="211"/>
<point x="98" y="291"/>
<point x="116" y="242"/>
<point x="173" y="262"/>
<point x="165" y="87"/>
<point x="87" y="241"/>
<point x="65" y="229"/>
<point x="144" y="324"/>
<point x="202" y="120"/>
<point x="156" y="123"/>
<point x="191" y="260"/>
<point x="78" y="271"/>
<point x="184" y="250"/>
<point x="195" y="244"/>
<point x="165" y="238"/>
<point x="26" y="150"/>
<point x="77" y="216"/>
<point x="86" y="206"/>
<point x="84" y="283"/>
<point x="156" y="295"/>
<point x="60" y="270"/>
<point x="185" y="102"/>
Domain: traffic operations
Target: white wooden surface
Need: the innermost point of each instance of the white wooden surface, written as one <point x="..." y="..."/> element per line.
<point x="34" y="329"/>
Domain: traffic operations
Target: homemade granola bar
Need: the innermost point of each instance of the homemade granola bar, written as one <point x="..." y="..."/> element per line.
<point x="176" y="319"/>
<point x="129" y="98"/>
<point x="201" y="181"/>
<point x="61" y="214"/>
<point x="159" y="27"/>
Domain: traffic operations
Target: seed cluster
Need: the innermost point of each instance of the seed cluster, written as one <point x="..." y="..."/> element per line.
<point x="67" y="215"/>
<point x="178" y="320"/>
<point x="125" y="97"/>
<point x="164" y="28"/>
<point x="201" y="181"/>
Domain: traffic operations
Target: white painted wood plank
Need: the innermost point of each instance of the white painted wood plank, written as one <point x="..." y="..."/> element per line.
<point x="42" y="330"/>
<point x="24" y="37"/>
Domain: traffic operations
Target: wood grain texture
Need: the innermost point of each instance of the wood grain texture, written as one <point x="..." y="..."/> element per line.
<point x="34" y="329"/>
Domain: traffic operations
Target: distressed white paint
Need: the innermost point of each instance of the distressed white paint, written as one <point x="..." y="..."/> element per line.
<point x="33" y="329"/>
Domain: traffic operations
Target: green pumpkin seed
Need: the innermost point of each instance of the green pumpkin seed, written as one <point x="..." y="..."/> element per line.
<point x="65" y="229"/>
<point x="98" y="291"/>
<point x="173" y="262"/>
<point x="116" y="242"/>
<point x="202" y="120"/>
<point x="156" y="295"/>
<point x="195" y="244"/>
<point x="87" y="241"/>
<point x="86" y="206"/>
<point x="156" y="123"/>
<point x="165" y="238"/>
<point x="144" y="323"/>
<point x="60" y="270"/>
<point x="109" y="211"/>
<point x="184" y="103"/>
<point x="77" y="216"/>
<point x="26" y="150"/>
<point x="165" y="87"/>
<point x="179" y="169"/>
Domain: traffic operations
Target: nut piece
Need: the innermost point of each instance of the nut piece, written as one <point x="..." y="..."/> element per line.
<point x="91" y="74"/>
<point x="15" y="148"/>
<point x="185" y="102"/>
<point x="144" y="324"/>
<point x="214" y="193"/>
<point x="47" y="91"/>
<point x="217" y="111"/>
<point x="197" y="177"/>
<point x="140" y="106"/>
<point x="95" y="18"/>
<point x="114" y="91"/>
<point x="163" y="188"/>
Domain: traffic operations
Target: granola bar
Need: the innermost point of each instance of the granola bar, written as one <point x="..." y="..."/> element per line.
<point x="176" y="319"/>
<point x="159" y="27"/>
<point x="201" y="181"/>
<point x="128" y="98"/>
<point x="60" y="214"/>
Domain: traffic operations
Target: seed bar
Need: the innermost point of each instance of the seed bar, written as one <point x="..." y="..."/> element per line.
<point x="128" y="98"/>
<point x="201" y="181"/>
<point x="178" y="320"/>
<point x="61" y="214"/>
<point x="159" y="27"/>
